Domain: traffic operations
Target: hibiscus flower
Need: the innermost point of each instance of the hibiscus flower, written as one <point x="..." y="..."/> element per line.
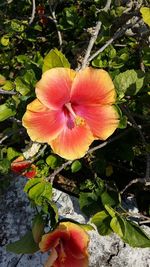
<point x="24" y="167"/>
<point x="72" y="109"/>
<point x="68" y="246"/>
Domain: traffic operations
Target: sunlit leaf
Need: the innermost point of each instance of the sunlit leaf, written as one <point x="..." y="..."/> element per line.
<point x="145" y="11"/>
<point x="54" y="59"/>
<point x="102" y="221"/>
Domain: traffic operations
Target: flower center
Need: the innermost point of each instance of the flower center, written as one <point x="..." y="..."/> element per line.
<point x="78" y="120"/>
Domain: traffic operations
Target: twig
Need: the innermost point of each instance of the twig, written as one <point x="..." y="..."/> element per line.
<point x="38" y="154"/>
<point x="94" y="37"/>
<point x="117" y="34"/>
<point x="64" y="165"/>
<point x="52" y="10"/>
<point x="58" y="170"/>
<point x="146" y="221"/>
<point x="135" y="181"/>
<point x="33" y="12"/>
<point x="4" y="92"/>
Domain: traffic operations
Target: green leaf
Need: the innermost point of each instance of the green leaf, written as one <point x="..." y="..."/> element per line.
<point x="117" y="226"/>
<point x="31" y="183"/>
<point x="145" y="11"/>
<point x="6" y="112"/>
<point x="87" y="227"/>
<point x="21" y="87"/>
<point x="38" y="228"/>
<point x="29" y="77"/>
<point x="90" y="203"/>
<point x="146" y="56"/>
<point x="102" y="221"/>
<point x="52" y="209"/>
<point x="110" y="198"/>
<point x="55" y="59"/>
<point x="25" y="245"/>
<point x="76" y="166"/>
<point x="9" y="85"/>
<point x="4" y="166"/>
<point x="38" y="190"/>
<point x="110" y="210"/>
<point x="52" y="161"/>
<point x="5" y="40"/>
<point x="123" y="122"/>
<point x="12" y="153"/>
<point x="130" y="232"/>
<point x="129" y="82"/>
<point x="17" y="25"/>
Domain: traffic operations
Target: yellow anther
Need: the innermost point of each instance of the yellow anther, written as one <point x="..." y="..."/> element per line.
<point x="79" y="121"/>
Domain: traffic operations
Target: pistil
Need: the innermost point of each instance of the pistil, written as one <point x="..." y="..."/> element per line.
<point x="79" y="121"/>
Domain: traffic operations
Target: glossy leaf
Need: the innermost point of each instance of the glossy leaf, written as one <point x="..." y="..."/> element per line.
<point x="52" y="161"/>
<point x="6" y="112"/>
<point x="76" y="166"/>
<point x="54" y="59"/>
<point x="130" y="232"/>
<point x="102" y="221"/>
<point x="145" y="11"/>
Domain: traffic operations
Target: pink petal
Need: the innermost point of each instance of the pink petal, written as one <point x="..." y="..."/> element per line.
<point x="72" y="143"/>
<point x="102" y="120"/>
<point x="91" y="87"/>
<point x="53" y="90"/>
<point x="43" y="124"/>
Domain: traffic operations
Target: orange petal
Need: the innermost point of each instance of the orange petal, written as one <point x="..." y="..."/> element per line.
<point x="93" y="86"/>
<point x="53" y="90"/>
<point x="51" y="259"/>
<point x="51" y="240"/>
<point x="72" y="143"/>
<point x="42" y="124"/>
<point x="70" y="261"/>
<point x="102" y="120"/>
<point x="78" y="241"/>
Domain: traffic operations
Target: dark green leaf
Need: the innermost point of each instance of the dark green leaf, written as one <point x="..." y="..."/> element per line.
<point x="90" y="203"/>
<point x="38" y="228"/>
<point x="25" y="245"/>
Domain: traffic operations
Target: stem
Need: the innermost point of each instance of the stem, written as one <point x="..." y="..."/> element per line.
<point x="56" y="23"/>
<point x="117" y="34"/>
<point x="33" y="12"/>
<point x="94" y="37"/>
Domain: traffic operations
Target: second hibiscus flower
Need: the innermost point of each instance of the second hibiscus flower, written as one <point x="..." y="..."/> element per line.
<point x="72" y="109"/>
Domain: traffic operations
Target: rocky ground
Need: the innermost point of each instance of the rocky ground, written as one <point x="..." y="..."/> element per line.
<point x="15" y="218"/>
